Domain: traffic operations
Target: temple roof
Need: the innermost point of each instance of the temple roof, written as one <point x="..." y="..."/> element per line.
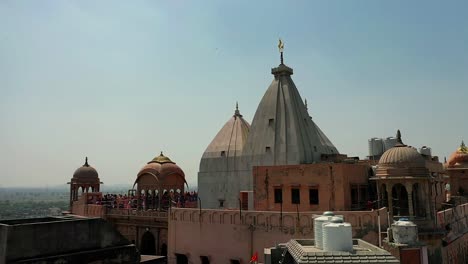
<point x="282" y="131"/>
<point x="402" y="155"/>
<point x="230" y="140"/>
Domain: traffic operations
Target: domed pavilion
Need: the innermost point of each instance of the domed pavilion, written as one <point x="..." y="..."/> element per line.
<point x="456" y="167"/>
<point x="159" y="178"/>
<point x="86" y="179"/>
<point x="408" y="182"/>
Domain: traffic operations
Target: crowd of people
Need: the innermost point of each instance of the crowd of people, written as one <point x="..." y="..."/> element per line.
<point x="149" y="201"/>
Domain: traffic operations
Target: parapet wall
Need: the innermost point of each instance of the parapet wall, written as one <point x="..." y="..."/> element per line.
<point x="223" y="235"/>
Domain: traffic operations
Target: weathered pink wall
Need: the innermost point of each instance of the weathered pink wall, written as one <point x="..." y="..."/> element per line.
<point x="332" y="179"/>
<point x="222" y="235"/>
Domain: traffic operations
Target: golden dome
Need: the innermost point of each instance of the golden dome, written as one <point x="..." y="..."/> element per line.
<point x="460" y="157"/>
<point x="161" y="159"/>
<point x="162" y="167"/>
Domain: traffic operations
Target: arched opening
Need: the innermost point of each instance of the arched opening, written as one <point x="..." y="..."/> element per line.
<point x="181" y="259"/>
<point x="148" y="244"/>
<point x="156" y="199"/>
<point x="164" y="250"/>
<point x="400" y="200"/>
<point x="149" y="199"/>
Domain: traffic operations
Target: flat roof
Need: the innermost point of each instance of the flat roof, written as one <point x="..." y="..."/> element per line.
<point x="304" y="251"/>
<point x="25" y="221"/>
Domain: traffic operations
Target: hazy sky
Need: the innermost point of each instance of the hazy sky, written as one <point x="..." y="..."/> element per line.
<point x="119" y="81"/>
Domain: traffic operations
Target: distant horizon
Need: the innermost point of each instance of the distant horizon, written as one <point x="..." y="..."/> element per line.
<point x="66" y="187"/>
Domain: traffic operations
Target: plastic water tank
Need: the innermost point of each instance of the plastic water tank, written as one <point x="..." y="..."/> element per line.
<point x="405" y="232"/>
<point x="337" y="237"/>
<point x="326" y="217"/>
<point x="318" y="222"/>
<point x="335" y="219"/>
<point x="425" y="151"/>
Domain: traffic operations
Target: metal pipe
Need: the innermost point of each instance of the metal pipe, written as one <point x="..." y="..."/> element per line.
<point x="240" y="209"/>
<point x="281" y="213"/>
<point x="380" y="229"/>
<point x="200" y="207"/>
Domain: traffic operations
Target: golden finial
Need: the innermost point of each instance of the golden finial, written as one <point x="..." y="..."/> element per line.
<point x="463" y="148"/>
<point x="281" y="48"/>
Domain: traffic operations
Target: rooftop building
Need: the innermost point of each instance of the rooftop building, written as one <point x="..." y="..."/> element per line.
<point x="282" y="133"/>
<point x="64" y="240"/>
<point x="304" y="251"/>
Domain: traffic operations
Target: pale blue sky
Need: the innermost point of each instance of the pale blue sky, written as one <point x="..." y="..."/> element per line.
<point x="119" y="81"/>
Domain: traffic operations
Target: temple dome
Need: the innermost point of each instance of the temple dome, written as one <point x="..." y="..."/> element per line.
<point x="230" y="140"/>
<point x="282" y="131"/>
<point x="401" y="161"/>
<point x="401" y="154"/>
<point x="459" y="158"/>
<point x="161" y="166"/>
<point x="85" y="172"/>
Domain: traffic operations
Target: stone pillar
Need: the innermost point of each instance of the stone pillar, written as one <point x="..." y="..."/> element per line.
<point x="427" y="203"/>
<point x="409" y="190"/>
<point x="379" y="196"/>
<point x="390" y="201"/>
<point x="71" y="196"/>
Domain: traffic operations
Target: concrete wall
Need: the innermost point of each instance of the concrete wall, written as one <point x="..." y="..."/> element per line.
<point x="32" y="239"/>
<point x="456" y="251"/>
<point x="223" y="235"/>
<point x="458" y="181"/>
<point x="222" y="178"/>
<point x="133" y="224"/>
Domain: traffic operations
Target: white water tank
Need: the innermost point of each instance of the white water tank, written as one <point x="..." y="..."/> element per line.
<point x="318" y="226"/>
<point x="405" y="232"/>
<point x="337" y="237"/>
<point x="425" y="151"/>
<point x="318" y="221"/>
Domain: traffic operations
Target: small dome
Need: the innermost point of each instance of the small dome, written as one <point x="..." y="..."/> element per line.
<point x="161" y="159"/>
<point x="459" y="158"/>
<point x="161" y="166"/>
<point x="401" y="154"/>
<point x="85" y="172"/>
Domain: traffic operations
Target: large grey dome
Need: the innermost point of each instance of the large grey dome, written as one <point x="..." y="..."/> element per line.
<point x="282" y="131"/>
<point x="230" y="140"/>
